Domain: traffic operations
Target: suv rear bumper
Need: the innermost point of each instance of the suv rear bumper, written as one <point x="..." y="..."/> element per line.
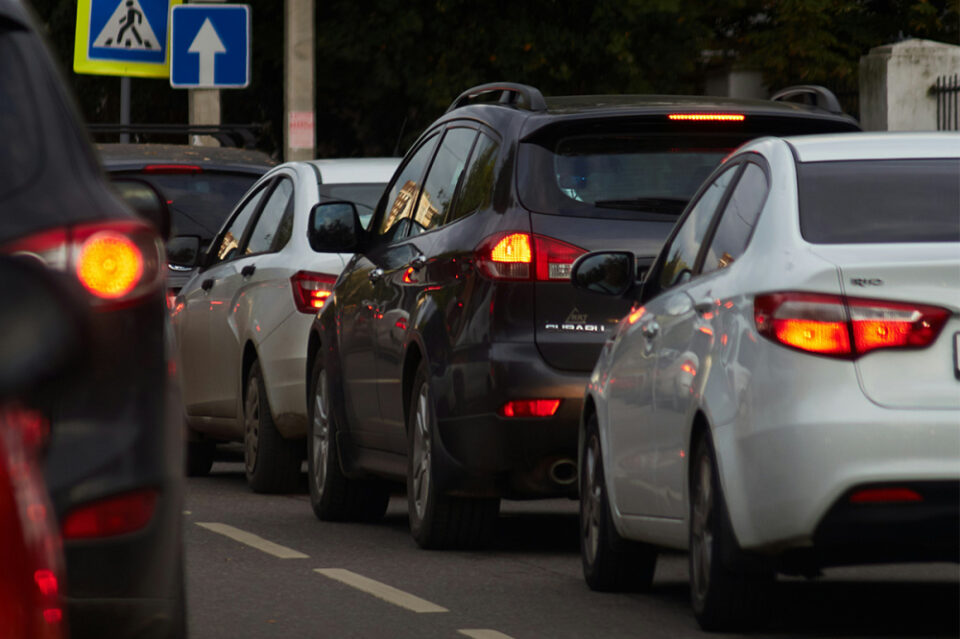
<point x="483" y="454"/>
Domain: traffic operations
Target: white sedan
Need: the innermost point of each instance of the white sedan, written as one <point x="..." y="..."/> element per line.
<point x="785" y="395"/>
<point x="243" y="320"/>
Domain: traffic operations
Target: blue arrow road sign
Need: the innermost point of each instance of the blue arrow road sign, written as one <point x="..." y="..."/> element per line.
<point x="210" y="46"/>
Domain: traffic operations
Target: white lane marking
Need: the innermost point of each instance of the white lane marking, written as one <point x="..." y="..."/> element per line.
<point x="484" y="634"/>
<point x="253" y="541"/>
<point x="380" y="590"/>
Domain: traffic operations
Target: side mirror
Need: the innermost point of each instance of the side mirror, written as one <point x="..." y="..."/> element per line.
<point x="183" y="251"/>
<point x="334" y="227"/>
<point x="146" y="201"/>
<point x="42" y="327"/>
<point x="605" y="272"/>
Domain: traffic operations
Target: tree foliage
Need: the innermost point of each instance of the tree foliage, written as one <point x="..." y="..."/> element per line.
<point x="386" y="68"/>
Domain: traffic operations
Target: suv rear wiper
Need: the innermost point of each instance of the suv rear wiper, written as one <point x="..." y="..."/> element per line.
<point x="672" y="205"/>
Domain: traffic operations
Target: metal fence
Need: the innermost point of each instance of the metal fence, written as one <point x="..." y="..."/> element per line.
<point x="947" y="92"/>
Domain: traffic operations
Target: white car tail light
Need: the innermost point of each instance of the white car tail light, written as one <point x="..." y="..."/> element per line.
<point x="845" y="327"/>
<point x="311" y="290"/>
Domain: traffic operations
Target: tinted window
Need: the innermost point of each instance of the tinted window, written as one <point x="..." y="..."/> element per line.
<point x="234" y="233"/>
<point x="275" y="224"/>
<point x="739" y="217"/>
<point x="477" y="189"/>
<point x="403" y="193"/>
<point x="880" y="201"/>
<point x="18" y="119"/>
<point x="441" y="182"/>
<point x="199" y="202"/>
<point x="364" y="196"/>
<point x="683" y="250"/>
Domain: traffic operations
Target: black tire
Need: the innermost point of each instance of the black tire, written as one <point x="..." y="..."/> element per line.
<point x="610" y="563"/>
<point x="333" y="496"/>
<point x="272" y="462"/>
<point x="728" y="591"/>
<point x="438" y="520"/>
<point x="199" y="459"/>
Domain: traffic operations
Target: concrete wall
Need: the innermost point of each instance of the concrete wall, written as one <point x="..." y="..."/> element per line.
<point x="895" y="81"/>
<point x="737" y="84"/>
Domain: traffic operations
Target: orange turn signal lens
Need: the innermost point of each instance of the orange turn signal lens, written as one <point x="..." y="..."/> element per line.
<point x="109" y="265"/>
<point x="514" y="248"/>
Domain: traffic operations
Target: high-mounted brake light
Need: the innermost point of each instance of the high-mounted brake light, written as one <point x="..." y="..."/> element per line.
<point x="311" y="290"/>
<point x="509" y="256"/>
<point x="113" y="516"/>
<point x="172" y="169"/>
<point x="117" y="262"/>
<point x="707" y="117"/>
<point x="530" y="408"/>
<point x="845" y="327"/>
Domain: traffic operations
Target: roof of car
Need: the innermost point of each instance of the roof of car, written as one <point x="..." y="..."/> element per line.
<point x="355" y="170"/>
<point x="13" y="10"/>
<point x="683" y="103"/>
<point x="118" y="157"/>
<point x="876" y="146"/>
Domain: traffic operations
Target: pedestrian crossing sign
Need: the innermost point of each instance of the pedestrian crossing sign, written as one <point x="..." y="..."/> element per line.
<point x="123" y="37"/>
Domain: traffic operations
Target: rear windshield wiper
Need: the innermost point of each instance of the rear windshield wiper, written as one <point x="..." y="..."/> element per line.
<point x="673" y="205"/>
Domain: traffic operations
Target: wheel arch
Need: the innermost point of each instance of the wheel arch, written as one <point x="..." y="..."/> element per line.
<point x="411" y="362"/>
<point x="314" y="342"/>
<point x="250" y="355"/>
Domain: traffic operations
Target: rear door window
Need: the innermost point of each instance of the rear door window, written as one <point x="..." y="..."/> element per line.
<point x="403" y="193"/>
<point x="880" y="201"/>
<point x="477" y="189"/>
<point x="738" y="219"/>
<point x="441" y="182"/>
<point x="231" y="238"/>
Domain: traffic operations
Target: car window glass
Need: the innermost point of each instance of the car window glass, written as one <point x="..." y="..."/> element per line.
<point x="403" y="193"/>
<point x="274" y="226"/>
<point x="477" y="189"/>
<point x="738" y="219"/>
<point x="234" y="233"/>
<point x="442" y="180"/>
<point x="682" y="253"/>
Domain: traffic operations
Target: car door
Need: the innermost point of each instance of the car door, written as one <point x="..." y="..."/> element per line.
<point x="692" y="320"/>
<point x="361" y="293"/>
<point x="410" y="271"/>
<point x="203" y="300"/>
<point x="636" y="392"/>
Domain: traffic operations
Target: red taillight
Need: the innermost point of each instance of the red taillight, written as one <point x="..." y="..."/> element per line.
<point x="530" y="408"/>
<point x="885" y="496"/>
<point x="509" y="256"/>
<point x="707" y="117"/>
<point x="845" y="326"/>
<point x="118" y="515"/>
<point x="311" y="290"/>
<point x="172" y="169"/>
<point x="116" y="262"/>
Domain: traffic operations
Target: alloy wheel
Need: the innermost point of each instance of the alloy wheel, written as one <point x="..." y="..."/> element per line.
<point x="251" y="434"/>
<point x="421" y="452"/>
<point x="701" y="528"/>
<point x="321" y="434"/>
<point x="591" y="502"/>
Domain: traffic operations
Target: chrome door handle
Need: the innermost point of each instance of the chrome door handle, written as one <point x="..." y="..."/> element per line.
<point x="650" y="330"/>
<point x="418" y="262"/>
<point x="375" y="274"/>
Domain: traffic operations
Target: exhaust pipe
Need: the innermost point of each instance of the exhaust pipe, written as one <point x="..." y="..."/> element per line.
<point x="563" y="472"/>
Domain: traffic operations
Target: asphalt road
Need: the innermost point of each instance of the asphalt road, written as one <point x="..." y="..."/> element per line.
<point x="263" y="566"/>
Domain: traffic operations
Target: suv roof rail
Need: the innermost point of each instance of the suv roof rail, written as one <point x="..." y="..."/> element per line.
<point x="242" y="136"/>
<point x="511" y="94"/>
<point x="823" y="97"/>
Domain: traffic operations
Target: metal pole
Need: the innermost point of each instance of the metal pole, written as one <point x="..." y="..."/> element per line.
<point x="125" y="108"/>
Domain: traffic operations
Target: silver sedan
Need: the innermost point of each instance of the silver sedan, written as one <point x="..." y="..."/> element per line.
<point x="784" y="395"/>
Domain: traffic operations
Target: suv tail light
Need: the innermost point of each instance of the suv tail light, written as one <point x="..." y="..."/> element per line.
<point x="845" y="327"/>
<point x="521" y="256"/>
<point x="117" y="515"/>
<point x="116" y="262"/>
<point x="530" y="408"/>
<point x="311" y="290"/>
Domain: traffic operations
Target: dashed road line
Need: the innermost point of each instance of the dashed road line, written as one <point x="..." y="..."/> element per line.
<point x="254" y="541"/>
<point x="484" y="634"/>
<point x="381" y="590"/>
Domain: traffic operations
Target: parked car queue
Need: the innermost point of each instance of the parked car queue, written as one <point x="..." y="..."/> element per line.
<point x="452" y="351"/>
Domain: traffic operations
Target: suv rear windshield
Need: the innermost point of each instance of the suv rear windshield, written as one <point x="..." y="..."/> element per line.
<point x="880" y="201"/>
<point x="631" y="176"/>
<point x="199" y="202"/>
